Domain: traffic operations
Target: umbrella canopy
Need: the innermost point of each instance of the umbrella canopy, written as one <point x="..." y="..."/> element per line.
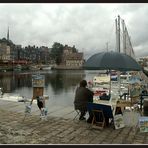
<point x="112" y="61"/>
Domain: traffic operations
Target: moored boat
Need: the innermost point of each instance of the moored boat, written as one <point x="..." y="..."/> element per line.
<point x="34" y="67"/>
<point x="46" y="68"/>
<point x="17" y="67"/>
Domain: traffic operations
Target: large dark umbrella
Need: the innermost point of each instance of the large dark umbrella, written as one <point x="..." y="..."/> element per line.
<point x="112" y="61"/>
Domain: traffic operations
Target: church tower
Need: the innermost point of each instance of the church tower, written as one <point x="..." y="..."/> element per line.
<point x="8" y="34"/>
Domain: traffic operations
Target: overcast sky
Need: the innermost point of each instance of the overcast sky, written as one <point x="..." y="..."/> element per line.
<point x="87" y="26"/>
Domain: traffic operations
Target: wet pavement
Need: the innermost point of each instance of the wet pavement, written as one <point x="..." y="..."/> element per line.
<point x="60" y="128"/>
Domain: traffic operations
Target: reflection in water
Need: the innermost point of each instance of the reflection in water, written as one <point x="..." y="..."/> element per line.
<point x="64" y="80"/>
<point x="59" y="84"/>
<point x="10" y="81"/>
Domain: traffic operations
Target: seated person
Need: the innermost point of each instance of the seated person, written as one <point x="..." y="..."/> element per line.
<point x="82" y="96"/>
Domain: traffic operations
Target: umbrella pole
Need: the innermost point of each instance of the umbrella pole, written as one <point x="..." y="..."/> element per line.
<point x="110" y="83"/>
<point x="119" y="82"/>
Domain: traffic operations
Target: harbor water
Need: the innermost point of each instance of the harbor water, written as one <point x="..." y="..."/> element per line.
<point x="60" y="85"/>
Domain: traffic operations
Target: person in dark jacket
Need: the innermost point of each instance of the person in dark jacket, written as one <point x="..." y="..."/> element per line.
<point x="40" y="104"/>
<point x="82" y="96"/>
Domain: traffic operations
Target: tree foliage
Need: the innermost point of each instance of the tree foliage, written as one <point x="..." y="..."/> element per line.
<point x="56" y="52"/>
<point x="74" y="49"/>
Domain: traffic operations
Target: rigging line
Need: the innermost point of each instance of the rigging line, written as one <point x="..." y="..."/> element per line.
<point x="129" y="40"/>
<point x="121" y="30"/>
<point x="111" y="33"/>
<point x="127" y="35"/>
<point x="121" y="38"/>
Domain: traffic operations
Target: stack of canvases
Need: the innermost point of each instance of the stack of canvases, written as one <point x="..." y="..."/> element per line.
<point x="135" y="91"/>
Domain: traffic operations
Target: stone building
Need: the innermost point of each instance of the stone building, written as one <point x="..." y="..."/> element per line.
<point x="72" y="58"/>
<point x="4" y="52"/>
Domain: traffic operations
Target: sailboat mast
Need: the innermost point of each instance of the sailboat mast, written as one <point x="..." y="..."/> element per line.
<point x="124" y="37"/>
<point x="118" y="33"/>
<point x="118" y="46"/>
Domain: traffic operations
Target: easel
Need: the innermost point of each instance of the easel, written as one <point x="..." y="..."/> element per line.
<point x="38" y="91"/>
<point x="27" y="111"/>
<point x="38" y="82"/>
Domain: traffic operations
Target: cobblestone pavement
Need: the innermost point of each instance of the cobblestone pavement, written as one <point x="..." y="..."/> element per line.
<point x="57" y="130"/>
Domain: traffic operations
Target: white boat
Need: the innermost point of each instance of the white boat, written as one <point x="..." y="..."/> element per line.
<point x="17" y="68"/>
<point x="46" y="68"/>
<point x="10" y="97"/>
<point x="34" y="67"/>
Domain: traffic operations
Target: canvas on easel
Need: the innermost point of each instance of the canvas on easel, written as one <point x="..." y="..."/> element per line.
<point x="38" y="83"/>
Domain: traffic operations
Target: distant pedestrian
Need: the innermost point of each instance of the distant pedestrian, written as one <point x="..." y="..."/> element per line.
<point x="82" y="96"/>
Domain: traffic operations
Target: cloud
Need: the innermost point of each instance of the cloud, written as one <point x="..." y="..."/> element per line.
<point x="87" y="26"/>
